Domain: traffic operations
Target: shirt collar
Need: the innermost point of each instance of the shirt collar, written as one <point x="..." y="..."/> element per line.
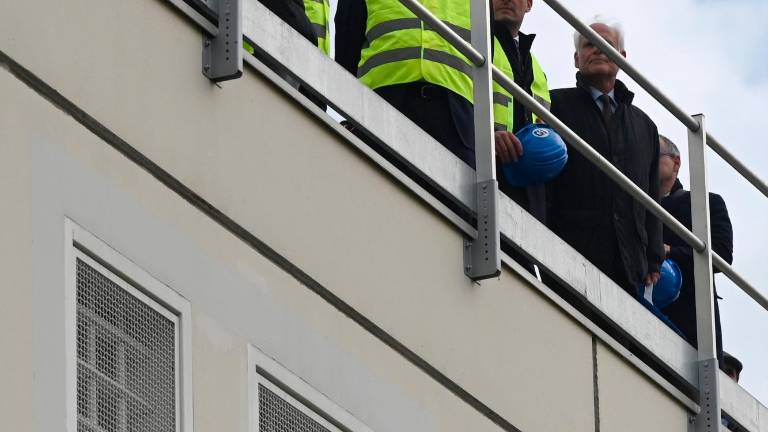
<point x="597" y="93"/>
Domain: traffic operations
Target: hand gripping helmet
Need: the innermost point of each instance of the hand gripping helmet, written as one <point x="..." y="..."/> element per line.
<point x="544" y="156"/>
<point x="667" y="289"/>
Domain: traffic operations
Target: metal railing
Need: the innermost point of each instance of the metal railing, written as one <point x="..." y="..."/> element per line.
<point x="699" y="240"/>
<point x="484" y="262"/>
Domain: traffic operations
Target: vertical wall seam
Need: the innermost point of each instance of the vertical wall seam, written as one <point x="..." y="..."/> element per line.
<point x="595" y="384"/>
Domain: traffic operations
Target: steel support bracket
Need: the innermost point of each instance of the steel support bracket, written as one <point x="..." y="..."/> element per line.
<point x="708" y="419"/>
<point x="222" y="53"/>
<point x="481" y="257"/>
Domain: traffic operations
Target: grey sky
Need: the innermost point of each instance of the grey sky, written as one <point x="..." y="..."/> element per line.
<point x="711" y="57"/>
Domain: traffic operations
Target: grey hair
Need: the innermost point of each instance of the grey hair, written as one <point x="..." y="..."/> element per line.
<point x="667" y="146"/>
<point x="613" y="25"/>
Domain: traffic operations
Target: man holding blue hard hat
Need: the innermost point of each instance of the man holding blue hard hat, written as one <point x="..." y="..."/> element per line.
<point x="512" y="55"/>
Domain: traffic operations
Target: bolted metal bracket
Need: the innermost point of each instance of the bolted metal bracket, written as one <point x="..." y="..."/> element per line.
<point x="708" y="419"/>
<point x="222" y="54"/>
<point x="481" y="255"/>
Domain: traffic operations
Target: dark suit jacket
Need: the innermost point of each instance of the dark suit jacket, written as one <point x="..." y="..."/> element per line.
<point x="588" y="210"/>
<point x="683" y="310"/>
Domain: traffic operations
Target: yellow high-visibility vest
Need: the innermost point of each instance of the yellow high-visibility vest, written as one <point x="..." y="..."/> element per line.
<point x="399" y="48"/>
<point x="318" y="11"/>
<point x="503" y="105"/>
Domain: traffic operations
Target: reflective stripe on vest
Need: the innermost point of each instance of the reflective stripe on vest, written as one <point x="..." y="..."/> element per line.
<point x="503" y="104"/>
<point x="317" y="11"/>
<point x="399" y="48"/>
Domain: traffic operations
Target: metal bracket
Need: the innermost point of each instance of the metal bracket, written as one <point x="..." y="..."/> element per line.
<point x="222" y="54"/>
<point x="481" y="257"/>
<point x="708" y="419"/>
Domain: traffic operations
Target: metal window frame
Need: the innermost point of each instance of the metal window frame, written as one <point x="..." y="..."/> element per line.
<point x="81" y="244"/>
<point x="265" y="370"/>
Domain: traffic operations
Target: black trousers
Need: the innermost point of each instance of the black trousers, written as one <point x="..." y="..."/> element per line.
<point x="443" y="114"/>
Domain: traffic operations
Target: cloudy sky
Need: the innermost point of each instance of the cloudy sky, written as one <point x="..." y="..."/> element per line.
<point x="711" y="57"/>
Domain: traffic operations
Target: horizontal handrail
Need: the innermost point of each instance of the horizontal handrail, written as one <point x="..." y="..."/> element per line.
<point x="593" y="155"/>
<point x="742" y="283"/>
<point x="657" y="94"/>
<point x="736" y="164"/>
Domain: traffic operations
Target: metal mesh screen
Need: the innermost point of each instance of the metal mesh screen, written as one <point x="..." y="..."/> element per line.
<point x="126" y="359"/>
<point x="278" y="415"/>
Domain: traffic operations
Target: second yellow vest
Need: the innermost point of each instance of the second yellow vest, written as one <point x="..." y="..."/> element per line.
<point x="503" y="105"/>
<point x="399" y="48"/>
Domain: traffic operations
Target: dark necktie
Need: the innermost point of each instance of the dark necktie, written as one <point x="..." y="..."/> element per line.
<point x="607" y="108"/>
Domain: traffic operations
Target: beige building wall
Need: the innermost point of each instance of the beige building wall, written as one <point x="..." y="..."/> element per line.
<point x="238" y="297"/>
<point x="629" y="402"/>
<point x="297" y="186"/>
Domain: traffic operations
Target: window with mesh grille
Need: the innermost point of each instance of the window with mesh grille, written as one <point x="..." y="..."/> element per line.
<point x="126" y="357"/>
<point x="279" y="412"/>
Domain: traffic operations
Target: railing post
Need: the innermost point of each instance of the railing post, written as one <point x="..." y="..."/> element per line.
<point x="222" y="54"/>
<point x="482" y="259"/>
<point x="708" y="420"/>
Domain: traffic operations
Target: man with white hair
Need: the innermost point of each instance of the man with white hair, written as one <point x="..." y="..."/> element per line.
<point x="584" y="207"/>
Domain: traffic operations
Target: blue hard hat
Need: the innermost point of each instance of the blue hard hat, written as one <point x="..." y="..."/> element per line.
<point x="667" y="289"/>
<point x="544" y="156"/>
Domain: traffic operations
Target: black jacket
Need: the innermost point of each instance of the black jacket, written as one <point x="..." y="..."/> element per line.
<point x="586" y="208"/>
<point x="683" y="310"/>
<point x="293" y="13"/>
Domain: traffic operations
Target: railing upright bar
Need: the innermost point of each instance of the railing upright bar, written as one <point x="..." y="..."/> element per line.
<point x="708" y="419"/>
<point x="482" y="257"/>
<point x="654" y="91"/>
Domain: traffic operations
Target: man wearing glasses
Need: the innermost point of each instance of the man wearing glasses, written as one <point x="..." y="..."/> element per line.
<point x="677" y="201"/>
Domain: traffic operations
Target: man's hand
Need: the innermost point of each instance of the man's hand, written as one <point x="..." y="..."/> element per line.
<point x="652" y="278"/>
<point x="508" y="147"/>
<point x="667" y="249"/>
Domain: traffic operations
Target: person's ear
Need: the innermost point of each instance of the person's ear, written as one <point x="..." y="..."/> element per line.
<point x="623" y="53"/>
<point x="576" y="59"/>
<point x="677" y="163"/>
<point x="530" y="5"/>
